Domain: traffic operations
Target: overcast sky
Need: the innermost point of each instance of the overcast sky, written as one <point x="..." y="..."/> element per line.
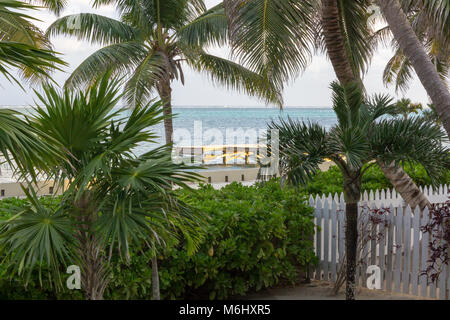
<point x="310" y="89"/>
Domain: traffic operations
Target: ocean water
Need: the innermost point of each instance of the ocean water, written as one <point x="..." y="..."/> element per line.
<point x="210" y="121"/>
<point x="225" y="119"/>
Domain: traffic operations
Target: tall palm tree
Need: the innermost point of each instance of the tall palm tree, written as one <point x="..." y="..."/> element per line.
<point x="114" y="199"/>
<point x="150" y="44"/>
<point x="23" y="46"/>
<point x="406" y="107"/>
<point x="360" y="139"/>
<point x="412" y="48"/>
<point x="339" y="28"/>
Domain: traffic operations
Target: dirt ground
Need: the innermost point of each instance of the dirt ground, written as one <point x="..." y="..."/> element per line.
<point x="319" y="290"/>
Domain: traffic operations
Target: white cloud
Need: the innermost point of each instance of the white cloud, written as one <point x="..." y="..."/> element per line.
<point x="310" y="89"/>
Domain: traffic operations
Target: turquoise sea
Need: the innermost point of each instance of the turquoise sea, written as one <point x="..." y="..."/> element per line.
<point x="231" y="118"/>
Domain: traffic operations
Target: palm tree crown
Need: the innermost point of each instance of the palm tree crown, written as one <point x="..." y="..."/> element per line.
<point x="150" y="43"/>
<point x="364" y="133"/>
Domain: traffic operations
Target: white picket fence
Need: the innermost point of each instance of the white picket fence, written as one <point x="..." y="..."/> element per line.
<point x="401" y="250"/>
<point x="387" y="197"/>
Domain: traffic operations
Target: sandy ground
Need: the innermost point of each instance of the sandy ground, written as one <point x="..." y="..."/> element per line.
<point x="319" y="290"/>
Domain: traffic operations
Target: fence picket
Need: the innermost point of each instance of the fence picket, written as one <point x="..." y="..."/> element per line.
<point x="364" y="257"/>
<point x="407" y="249"/>
<point x="334" y="239"/>
<point x="442" y="282"/>
<point x="424" y="256"/>
<point x="341" y="243"/>
<point x="373" y="243"/>
<point x="382" y="256"/>
<point x="319" y="233"/>
<point x="415" y="256"/>
<point x="390" y="248"/>
<point x="326" y="240"/>
<point x="398" y="248"/>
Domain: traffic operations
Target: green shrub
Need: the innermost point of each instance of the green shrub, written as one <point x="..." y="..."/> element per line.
<point x="257" y="236"/>
<point x="373" y="179"/>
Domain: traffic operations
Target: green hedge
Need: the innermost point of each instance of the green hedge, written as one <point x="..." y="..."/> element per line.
<point x="257" y="236"/>
<point x="331" y="181"/>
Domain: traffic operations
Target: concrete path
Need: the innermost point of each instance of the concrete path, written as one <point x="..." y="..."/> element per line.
<point x="319" y="290"/>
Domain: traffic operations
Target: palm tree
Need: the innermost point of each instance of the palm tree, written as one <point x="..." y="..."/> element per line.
<point x="362" y="137"/>
<point x="339" y="28"/>
<point x="22" y="45"/>
<point x="114" y="199"/>
<point x="406" y="107"/>
<point x="412" y="48"/>
<point x="399" y="70"/>
<point x="151" y="42"/>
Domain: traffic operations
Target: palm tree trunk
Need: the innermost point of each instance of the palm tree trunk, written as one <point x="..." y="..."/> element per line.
<point x="165" y="93"/>
<point x="351" y="240"/>
<point x="352" y="195"/>
<point x="335" y="42"/>
<point x="414" y="50"/>
<point x="155" y="279"/>
<point x="405" y="186"/>
<point x="94" y="274"/>
<point x="341" y="63"/>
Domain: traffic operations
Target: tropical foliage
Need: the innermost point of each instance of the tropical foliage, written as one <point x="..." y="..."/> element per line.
<point x="150" y="44"/>
<point x="331" y="181"/>
<point x="406" y="107"/>
<point x="256" y="237"/>
<point x="114" y="199"/>
<point x="362" y="137"/>
<point x="430" y="22"/>
<point x="23" y="46"/>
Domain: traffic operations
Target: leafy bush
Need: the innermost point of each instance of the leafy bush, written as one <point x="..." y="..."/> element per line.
<point x="331" y="181"/>
<point x="257" y="236"/>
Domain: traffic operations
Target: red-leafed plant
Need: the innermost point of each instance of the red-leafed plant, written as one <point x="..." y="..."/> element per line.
<point x="438" y="229"/>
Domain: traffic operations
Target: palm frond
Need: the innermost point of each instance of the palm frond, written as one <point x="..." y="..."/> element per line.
<point x="357" y="33"/>
<point x="236" y="77"/>
<point x="271" y="38"/>
<point x="411" y="140"/>
<point x="37" y="236"/>
<point x="120" y="59"/>
<point x="302" y="147"/>
<point x="143" y="81"/>
<point x="56" y="6"/>
<point x="94" y="28"/>
<point x="211" y="28"/>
